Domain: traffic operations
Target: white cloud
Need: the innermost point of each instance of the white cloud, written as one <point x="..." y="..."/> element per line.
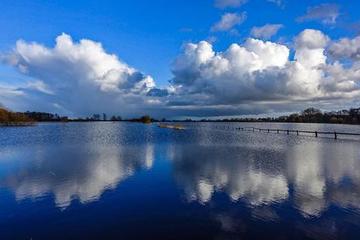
<point x="80" y="76"/>
<point x="229" y="3"/>
<point x="9" y="91"/>
<point x="326" y="13"/>
<point x="86" y="58"/>
<point x="256" y="76"/>
<point x="346" y="48"/>
<point x="40" y="86"/>
<point x="262" y="72"/>
<point x="228" y="21"/>
<point x="310" y="46"/>
<point x="266" y="31"/>
<point x="312" y="39"/>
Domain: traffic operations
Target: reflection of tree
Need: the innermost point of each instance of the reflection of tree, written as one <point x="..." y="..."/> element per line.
<point x="78" y="173"/>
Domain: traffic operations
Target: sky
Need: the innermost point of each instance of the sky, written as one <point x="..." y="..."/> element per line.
<point x="205" y="58"/>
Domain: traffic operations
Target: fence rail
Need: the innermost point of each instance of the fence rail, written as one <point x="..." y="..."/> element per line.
<point x="288" y="131"/>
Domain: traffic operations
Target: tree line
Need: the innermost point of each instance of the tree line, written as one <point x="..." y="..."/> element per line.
<point x="309" y="115"/>
<point x="313" y="115"/>
<point x="9" y="118"/>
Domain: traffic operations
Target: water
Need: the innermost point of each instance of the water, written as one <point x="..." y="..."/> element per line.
<point x="135" y="181"/>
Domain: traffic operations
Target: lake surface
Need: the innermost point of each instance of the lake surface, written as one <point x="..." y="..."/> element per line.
<point x="134" y="181"/>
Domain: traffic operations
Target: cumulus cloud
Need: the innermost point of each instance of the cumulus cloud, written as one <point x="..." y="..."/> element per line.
<point x="266" y="31"/>
<point x="310" y="46"/>
<point x="255" y="76"/>
<point x="80" y="76"/>
<point x="229" y="3"/>
<point x="103" y="70"/>
<point x="346" y="48"/>
<point x="325" y="13"/>
<point x="262" y="71"/>
<point x="228" y="21"/>
<point x="312" y="39"/>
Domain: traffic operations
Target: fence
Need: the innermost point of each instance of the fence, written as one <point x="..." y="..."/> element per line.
<point x="334" y="134"/>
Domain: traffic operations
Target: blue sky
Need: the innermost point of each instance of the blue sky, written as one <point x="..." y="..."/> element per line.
<point x="150" y="35"/>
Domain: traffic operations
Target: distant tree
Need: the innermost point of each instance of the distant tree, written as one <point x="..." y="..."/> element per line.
<point x="96" y="117"/>
<point x="311" y="111"/>
<point x="115" y="118"/>
<point x="312" y="115"/>
<point x="333" y="119"/>
<point x="4" y="115"/>
<point x="145" y="119"/>
<point x="12" y="118"/>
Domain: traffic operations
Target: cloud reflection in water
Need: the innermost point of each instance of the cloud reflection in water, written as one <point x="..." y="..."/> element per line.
<point x="82" y="173"/>
<point x="313" y="174"/>
<point x="260" y="170"/>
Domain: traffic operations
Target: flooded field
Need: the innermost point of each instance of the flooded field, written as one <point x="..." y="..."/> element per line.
<point x="208" y="181"/>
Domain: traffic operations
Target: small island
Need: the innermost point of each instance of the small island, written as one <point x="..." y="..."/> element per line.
<point x="170" y="126"/>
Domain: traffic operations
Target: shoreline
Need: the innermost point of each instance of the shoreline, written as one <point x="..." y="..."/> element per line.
<point x="179" y="121"/>
<point x="18" y="124"/>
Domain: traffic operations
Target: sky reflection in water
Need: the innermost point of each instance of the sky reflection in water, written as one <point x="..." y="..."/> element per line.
<point x="224" y="183"/>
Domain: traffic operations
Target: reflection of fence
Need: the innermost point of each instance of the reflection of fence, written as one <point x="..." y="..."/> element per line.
<point x="297" y="132"/>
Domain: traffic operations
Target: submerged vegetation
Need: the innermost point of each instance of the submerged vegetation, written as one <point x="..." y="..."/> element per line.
<point x="8" y="118"/>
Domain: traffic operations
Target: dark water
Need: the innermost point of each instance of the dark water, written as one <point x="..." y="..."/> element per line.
<point x="134" y="181"/>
